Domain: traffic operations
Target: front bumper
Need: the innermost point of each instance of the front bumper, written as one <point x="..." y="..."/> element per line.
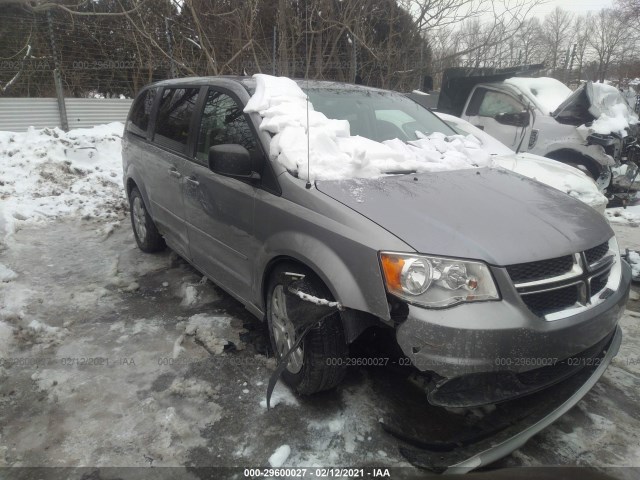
<point x="504" y="335"/>
<point x="511" y="424"/>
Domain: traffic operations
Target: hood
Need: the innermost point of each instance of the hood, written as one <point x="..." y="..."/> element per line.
<point x="486" y="214"/>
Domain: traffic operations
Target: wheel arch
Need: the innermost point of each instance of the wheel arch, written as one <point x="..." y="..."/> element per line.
<point x="354" y="322"/>
<point x="571" y="156"/>
<point x="133" y="180"/>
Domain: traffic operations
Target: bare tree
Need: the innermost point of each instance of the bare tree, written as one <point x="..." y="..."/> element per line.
<point x="556" y="31"/>
<point x="608" y="33"/>
<point x="530" y="41"/>
<point x="581" y="34"/>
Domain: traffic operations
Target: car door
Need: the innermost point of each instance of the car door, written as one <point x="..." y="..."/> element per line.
<point x="482" y="109"/>
<point x="165" y="166"/>
<point x="220" y="209"/>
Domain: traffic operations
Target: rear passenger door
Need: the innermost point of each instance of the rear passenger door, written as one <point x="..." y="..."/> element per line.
<point x="166" y="166"/>
<point x="220" y="209"/>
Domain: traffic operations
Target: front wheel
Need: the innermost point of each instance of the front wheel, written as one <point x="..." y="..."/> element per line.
<point x="319" y="363"/>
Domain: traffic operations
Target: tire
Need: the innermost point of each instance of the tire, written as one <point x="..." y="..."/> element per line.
<point x="323" y="351"/>
<point x="145" y="231"/>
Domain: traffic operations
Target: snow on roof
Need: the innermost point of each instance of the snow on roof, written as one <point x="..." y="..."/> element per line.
<point x="334" y="153"/>
<point x="547" y="93"/>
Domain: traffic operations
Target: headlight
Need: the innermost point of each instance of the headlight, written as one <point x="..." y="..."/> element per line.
<point x="436" y="282"/>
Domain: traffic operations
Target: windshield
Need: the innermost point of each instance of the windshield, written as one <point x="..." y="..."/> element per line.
<point x="377" y="115"/>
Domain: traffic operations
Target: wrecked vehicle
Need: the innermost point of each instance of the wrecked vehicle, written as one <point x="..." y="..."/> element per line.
<point x="560" y="176"/>
<point x="592" y="128"/>
<point x="496" y="285"/>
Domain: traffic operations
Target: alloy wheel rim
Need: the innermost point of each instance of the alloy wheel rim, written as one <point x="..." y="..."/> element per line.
<point x="139" y="219"/>
<point x="284" y="332"/>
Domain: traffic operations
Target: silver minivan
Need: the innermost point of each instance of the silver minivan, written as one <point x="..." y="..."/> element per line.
<point x="495" y="284"/>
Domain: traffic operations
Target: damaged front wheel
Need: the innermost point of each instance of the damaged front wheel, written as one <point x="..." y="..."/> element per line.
<point x="319" y="362"/>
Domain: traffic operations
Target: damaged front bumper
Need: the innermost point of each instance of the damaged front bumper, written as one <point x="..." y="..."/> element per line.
<point x="508" y="427"/>
<point x="490" y="352"/>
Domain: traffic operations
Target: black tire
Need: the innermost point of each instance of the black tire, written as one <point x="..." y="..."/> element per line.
<point x="148" y="238"/>
<point x="325" y="349"/>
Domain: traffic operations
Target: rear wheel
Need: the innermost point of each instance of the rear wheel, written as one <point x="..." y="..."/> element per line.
<point x="147" y="236"/>
<point x="319" y="363"/>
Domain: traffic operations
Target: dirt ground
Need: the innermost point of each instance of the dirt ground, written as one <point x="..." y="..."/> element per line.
<point x="120" y="358"/>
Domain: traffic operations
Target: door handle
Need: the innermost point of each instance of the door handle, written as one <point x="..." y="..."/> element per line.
<point x="481" y="127"/>
<point x="175" y="173"/>
<point x="193" y="181"/>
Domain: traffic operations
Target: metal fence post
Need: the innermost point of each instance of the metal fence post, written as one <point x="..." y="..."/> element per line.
<point x="57" y="78"/>
<point x="62" y="108"/>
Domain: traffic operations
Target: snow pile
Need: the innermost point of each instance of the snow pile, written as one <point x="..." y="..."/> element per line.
<point x="198" y="293"/>
<point x="280" y="456"/>
<point x="49" y="173"/>
<point x="214" y="332"/>
<point x="634" y="261"/>
<point x="6" y="274"/>
<point x="612" y="110"/>
<point x="547" y="93"/>
<point x="193" y="388"/>
<point x="281" y="395"/>
<point x="335" y="154"/>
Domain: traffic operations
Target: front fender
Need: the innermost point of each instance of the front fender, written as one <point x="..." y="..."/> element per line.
<point x="363" y="291"/>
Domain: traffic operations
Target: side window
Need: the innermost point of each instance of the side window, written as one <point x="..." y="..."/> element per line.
<point x="496" y="102"/>
<point x="174" y="117"/>
<point x="223" y="121"/>
<point x="140" y="112"/>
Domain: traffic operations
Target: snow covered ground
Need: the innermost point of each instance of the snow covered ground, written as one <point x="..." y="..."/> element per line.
<point x="111" y="357"/>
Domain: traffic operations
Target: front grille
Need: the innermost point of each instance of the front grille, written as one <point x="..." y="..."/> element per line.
<point x="542" y="303"/>
<point x="598" y="283"/>
<point x="533" y="271"/>
<point x="596" y="253"/>
<point x="550" y="286"/>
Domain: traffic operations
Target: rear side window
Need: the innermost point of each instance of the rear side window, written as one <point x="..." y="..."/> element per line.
<point x="140" y="112"/>
<point x="174" y="117"/>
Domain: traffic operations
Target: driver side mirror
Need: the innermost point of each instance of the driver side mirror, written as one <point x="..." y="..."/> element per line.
<point x="232" y="160"/>
<point x="520" y="119"/>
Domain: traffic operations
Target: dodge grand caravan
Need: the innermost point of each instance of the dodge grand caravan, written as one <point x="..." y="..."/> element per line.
<point x="489" y="280"/>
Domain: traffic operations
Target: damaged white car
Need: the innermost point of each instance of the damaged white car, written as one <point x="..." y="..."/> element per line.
<point x="592" y="128"/>
<point x="555" y="174"/>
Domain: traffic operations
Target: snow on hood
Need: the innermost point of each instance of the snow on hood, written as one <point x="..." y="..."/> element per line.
<point x="610" y="109"/>
<point x="550" y="172"/>
<point x="547" y="93"/>
<point x="334" y="153"/>
<point x="50" y="173"/>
